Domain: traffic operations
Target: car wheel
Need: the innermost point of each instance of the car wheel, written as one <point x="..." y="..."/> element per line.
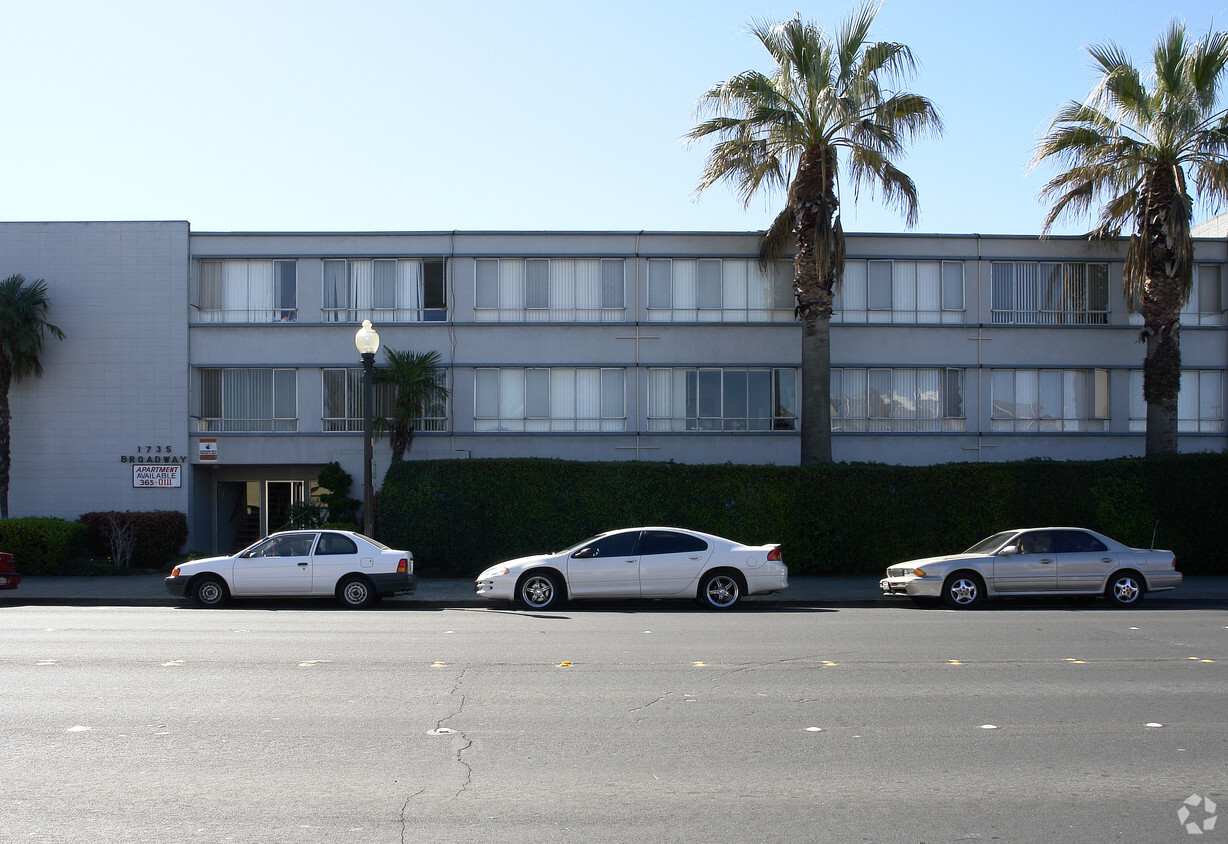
<point x="719" y="591"/>
<point x="539" y="590"/>
<point x="210" y="592"/>
<point x="355" y="592"/>
<point x="1125" y="589"/>
<point x="963" y="591"/>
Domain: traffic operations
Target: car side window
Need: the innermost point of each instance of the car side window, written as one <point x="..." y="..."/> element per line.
<point x="668" y="542"/>
<point x="1037" y="542"/>
<point x="1076" y="541"/>
<point x="336" y="543"/>
<point x="615" y="545"/>
<point x="293" y="546"/>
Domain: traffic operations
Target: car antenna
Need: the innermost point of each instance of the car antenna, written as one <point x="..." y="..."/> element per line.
<point x="1153" y="534"/>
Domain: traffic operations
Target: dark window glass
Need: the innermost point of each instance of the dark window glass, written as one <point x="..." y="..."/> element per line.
<point x="615" y="545"/>
<point x="434" y="299"/>
<point x="1076" y="541"/>
<point x="1037" y="542"/>
<point x="668" y="542"/>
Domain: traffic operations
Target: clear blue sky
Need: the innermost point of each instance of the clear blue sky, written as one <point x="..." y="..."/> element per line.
<point x="377" y="116"/>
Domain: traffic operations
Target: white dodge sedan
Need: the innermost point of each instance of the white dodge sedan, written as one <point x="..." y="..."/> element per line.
<point x="1037" y="561"/>
<point x="643" y="562"/>
<point x="354" y="568"/>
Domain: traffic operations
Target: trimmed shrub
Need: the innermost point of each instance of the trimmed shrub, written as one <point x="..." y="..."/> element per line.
<point x="459" y="516"/>
<point x="42" y="545"/>
<point x="159" y="535"/>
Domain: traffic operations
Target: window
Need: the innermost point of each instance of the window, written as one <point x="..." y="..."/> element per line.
<point x="549" y="399"/>
<point x="248" y="400"/>
<point x="669" y="542"/>
<point x="901" y="292"/>
<point x="248" y="291"/>
<point x="1206" y="304"/>
<point x="1026" y="293"/>
<point x="1200" y="403"/>
<point x="384" y="290"/>
<point x="719" y="290"/>
<point x="1049" y="400"/>
<point x="712" y="399"/>
<point x="342" y="403"/>
<point x="928" y="399"/>
<point x="616" y="545"/>
<point x="549" y="290"/>
<point x="335" y="543"/>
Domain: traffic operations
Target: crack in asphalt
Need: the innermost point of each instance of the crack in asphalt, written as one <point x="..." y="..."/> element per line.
<point x="468" y="742"/>
<point x="404" y="809"/>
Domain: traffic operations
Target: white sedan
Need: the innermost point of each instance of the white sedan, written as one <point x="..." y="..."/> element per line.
<point x="354" y="568"/>
<point x="643" y="562"/>
<point x="1038" y="561"/>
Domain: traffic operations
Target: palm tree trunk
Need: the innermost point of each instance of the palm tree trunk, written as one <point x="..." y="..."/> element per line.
<point x="1161" y="384"/>
<point x="816" y="390"/>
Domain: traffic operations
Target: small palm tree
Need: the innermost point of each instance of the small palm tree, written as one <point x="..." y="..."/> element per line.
<point x="23" y="327"/>
<point x="417" y="385"/>
<point x="830" y="102"/>
<point x="1127" y="149"/>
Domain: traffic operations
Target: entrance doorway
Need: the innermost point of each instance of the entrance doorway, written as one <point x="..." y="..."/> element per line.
<point x="279" y="496"/>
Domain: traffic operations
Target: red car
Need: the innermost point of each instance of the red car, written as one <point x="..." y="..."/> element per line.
<point x="9" y="578"/>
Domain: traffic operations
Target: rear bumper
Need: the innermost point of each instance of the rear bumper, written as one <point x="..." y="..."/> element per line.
<point x="394" y="584"/>
<point x="1163" y="582"/>
<point x="9" y="580"/>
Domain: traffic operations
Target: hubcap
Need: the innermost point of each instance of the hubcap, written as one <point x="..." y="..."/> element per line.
<point x="722" y="591"/>
<point x="538" y="591"/>
<point x="355" y="593"/>
<point x="209" y="593"/>
<point x="1126" y="590"/>
<point x="963" y="591"/>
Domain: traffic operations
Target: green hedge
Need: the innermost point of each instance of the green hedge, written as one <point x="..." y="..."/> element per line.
<point x="458" y="516"/>
<point x="42" y="545"/>
<point x="159" y="535"/>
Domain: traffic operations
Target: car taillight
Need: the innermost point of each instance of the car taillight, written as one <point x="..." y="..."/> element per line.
<point x="403" y="566"/>
<point x="1174" y="562"/>
<point x="774" y="555"/>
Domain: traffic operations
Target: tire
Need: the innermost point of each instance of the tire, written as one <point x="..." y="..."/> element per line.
<point x="210" y="592"/>
<point x="963" y="591"/>
<point x="1125" y="589"/>
<point x="539" y="590"/>
<point x="719" y="590"/>
<point x="355" y="592"/>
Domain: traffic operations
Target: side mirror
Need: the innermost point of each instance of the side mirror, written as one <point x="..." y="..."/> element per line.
<point x="584" y="553"/>
<point x="1009" y="550"/>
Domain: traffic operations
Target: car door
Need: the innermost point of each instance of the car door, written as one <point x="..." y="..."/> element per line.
<point x="609" y="566"/>
<point x="1030" y="567"/>
<point x="335" y="555"/>
<point x="281" y="565"/>
<point x="670" y="561"/>
<point x="1083" y="561"/>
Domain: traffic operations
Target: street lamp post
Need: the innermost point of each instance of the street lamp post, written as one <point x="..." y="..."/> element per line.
<point x="367" y="341"/>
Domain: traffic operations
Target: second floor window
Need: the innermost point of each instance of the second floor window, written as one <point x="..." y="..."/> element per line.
<point x="1049" y="400"/>
<point x="384" y="290"/>
<point x="560" y="398"/>
<point x="901" y="292"/>
<point x="719" y="290"/>
<point x="248" y="400"/>
<point x="248" y="291"/>
<point x="1040" y="293"/>
<point x="550" y="290"/>
<point x="1200" y="402"/>
<point x="722" y="399"/>
<point x="924" y="399"/>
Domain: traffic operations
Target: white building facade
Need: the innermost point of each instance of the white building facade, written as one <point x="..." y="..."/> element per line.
<point x="215" y="373"/>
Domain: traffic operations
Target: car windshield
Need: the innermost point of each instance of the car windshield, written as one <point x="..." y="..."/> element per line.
<point x="992" y="544"/>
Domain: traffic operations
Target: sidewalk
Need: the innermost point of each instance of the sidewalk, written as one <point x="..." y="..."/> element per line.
<point x="147" y="590"/>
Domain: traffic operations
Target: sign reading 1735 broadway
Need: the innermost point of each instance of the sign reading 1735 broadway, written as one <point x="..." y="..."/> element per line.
<point x="155" y="467"/>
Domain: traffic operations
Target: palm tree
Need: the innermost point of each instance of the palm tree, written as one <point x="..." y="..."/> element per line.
<point x="1127" y="149"/>
<point x="416" y="381"/>
<point x="831" y="101"/>
<point x="23" y="326"/>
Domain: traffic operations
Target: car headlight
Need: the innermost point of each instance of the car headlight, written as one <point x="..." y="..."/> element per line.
<point x="495" y="572"/>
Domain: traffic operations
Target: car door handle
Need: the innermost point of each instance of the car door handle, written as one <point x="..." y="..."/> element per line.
<point x="303" y="565"/>
<point x="1107" y="560"/>
<point x="1046" y="562"/>
<point x="632" y="561"/>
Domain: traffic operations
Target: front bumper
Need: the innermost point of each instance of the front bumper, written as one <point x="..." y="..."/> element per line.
<point x="177" y="586"/>
<point x="499" y="588"/>
<point x="911" y="586"/>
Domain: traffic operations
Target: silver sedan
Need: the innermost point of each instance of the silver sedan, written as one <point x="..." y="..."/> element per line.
<point x="1036" y="561"/>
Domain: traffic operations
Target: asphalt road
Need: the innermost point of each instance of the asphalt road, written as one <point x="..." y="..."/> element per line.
<point x="636" y="723"/>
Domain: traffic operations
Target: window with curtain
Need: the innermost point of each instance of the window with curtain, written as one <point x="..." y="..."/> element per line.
<point x="898" y="291"/>
<point x="1200" y="402"/>
<point x="1049" y="400"/>
<point x="549" y="290"/>
<point x="342" y="403"/>
<point x="719" y="290"/>
<point x="722" y="399"/>
<point x="542" y="399"/>
<point x="1049" y="293"/>
<point x="384" y="290"/>
<point x="244" y="291"/>
<point x="897" y="399"/>
<point x="248" y="400"/>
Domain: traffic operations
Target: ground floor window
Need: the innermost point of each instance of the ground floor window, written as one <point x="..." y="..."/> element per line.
<point x="342" y="403"/>
<point x="560" y="398"/>
<point x="1049" y="400"/>
<point x="927" y="399"/>
<point x="722" y="399"/>
<point x="1200" y="404"/>
<point x="248" y="400"/>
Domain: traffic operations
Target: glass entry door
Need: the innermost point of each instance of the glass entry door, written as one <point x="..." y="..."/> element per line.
<point x="278" y="498"/>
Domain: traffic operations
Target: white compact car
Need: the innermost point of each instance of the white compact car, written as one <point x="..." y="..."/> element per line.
<point x="314" y="563"/>
<point x="1037" y="561"/>
<point x="643" y="562"/>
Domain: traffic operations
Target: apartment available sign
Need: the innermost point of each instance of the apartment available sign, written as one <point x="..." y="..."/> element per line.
<point x="162" y="477"/>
